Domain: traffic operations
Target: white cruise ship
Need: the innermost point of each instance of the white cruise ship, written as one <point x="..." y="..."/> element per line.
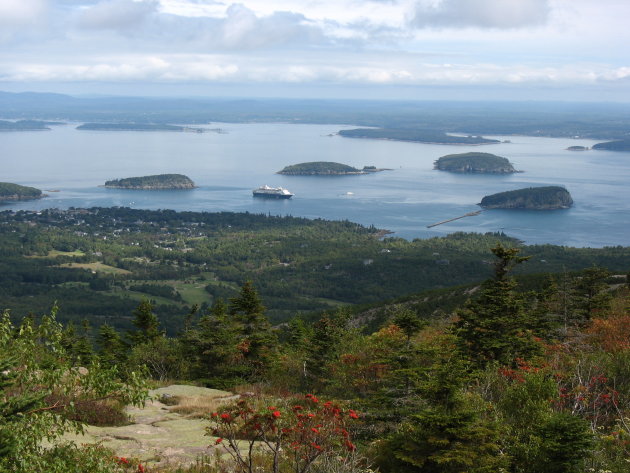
<point x="272" y="192"/>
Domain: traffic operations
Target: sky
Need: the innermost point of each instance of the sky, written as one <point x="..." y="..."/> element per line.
<point x="389" y="49"/>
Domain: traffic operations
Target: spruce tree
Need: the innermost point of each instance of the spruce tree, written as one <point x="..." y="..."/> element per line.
<point x="325" y="346"/>
<point x="113" y="349"/>
<point x="298" y="334"/>
<point x="408" y="322"/>
<point x="213" y="345"/>
<point x="247" y="307"/>
<point x="146" y="322"/>
<point x="590" y="295"/>
<point x="259" y="342"/>
<point x="444" y="431"/>
<point x="494" y="326"/>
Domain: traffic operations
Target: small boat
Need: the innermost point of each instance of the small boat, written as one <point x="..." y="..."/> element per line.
<point x="272" y="192"/>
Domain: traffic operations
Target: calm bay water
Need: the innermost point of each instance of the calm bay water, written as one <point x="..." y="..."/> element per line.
<point x="226" y="167"/>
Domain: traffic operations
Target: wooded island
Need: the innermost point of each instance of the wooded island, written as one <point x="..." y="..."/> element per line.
<point x="618" y="145"/>
<point x="484" y="163"/>
<point x="136" y="127"/>
<point x="159" y="181"/>
<point x="10" y="191"/>
<point x="323" y="168"/>
<point x="533" y="198"/>
<point x="418" y="136"/>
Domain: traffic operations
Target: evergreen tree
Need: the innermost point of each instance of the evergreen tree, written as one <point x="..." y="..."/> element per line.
<point x="248" y="308"/>
<point x="493" y="326"/>
<point x="546" y="317"/>
<point x="298" y="334"/>
<point x="259" y="342"/>
<point x="113" y="349"/>
<point x="146" y="322"/>
<point x="213" y="347"/>
<point x="190" y="317"/>
<point x="565" y="442"/>
<point x="78" y="344"/>
<point x="325" y="346"/>
<point x="445" y="432"/>
<point x="408" y="322"/>
<point x="590" y="294"/>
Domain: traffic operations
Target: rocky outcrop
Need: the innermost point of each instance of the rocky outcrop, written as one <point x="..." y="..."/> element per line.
<point x="158" y="434"/>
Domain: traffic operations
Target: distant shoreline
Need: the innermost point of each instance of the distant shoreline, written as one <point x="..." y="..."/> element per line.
<point x="423" y="142"/>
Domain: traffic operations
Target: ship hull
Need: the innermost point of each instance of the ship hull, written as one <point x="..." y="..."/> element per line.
<point x="273" y="196"/>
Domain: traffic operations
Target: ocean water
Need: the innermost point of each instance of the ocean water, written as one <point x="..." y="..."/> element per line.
<point x="227" y="166"/>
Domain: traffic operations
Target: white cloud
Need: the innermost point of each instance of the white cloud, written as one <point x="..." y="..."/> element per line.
<point x="312" y="68"/>
<point x="119" y="15"/>
<point x="448" y="43"/>
<point x="130" y="68"/>
<point x="19" y="12"/>
<point x="500" y="14"/>
<point x="243" y="29"/>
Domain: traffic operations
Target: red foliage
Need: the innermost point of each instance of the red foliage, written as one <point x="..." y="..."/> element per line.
<point x="612" y="333"/>
<point x="307" y="427"/>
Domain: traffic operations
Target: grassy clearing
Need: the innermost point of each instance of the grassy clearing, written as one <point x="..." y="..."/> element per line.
<point x="140" y="296"/>
<point x="58" y="253"/>
<point x="193" y="293"/>
<point x="96" y="267"/>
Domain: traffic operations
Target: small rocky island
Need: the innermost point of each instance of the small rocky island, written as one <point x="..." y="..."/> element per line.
<point x="531" y="198"/>
<point x="10" y="192"/>
<point x="325" y="168"/>
<point x="617" y="145"/>
<point x="156" y="182"/>
<point x="577" y="148"/>
<point x="483" y="163"/>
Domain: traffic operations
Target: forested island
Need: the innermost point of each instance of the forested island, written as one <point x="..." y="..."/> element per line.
<point x="484" y="163"/>
<point x="419" y="136"/>
<point x="10" y="191"/>
<point x="155" y="182"/>
<point x="617" y="145"/>
<point x="24" y="125"/>
<point x="577" y="148"/>
<point x="321" y="168"/>
<point x="533" y="198"/>
<point x="137" y="127"/>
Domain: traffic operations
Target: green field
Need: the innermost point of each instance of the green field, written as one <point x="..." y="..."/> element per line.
<point x="97" y="267"/>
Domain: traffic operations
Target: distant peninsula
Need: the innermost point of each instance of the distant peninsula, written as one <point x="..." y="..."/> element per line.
<point x="417" y="136"/>
<point x="618" y="145"/>
<point x="326" y="168"/>
<point x="484" y="163"/>
<point x="156" y="182"/>
<point x="532" y="198"/>
<point x="24" y="125"/>
<point x="138" y="127"/>
<point x="10" y="191"/>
